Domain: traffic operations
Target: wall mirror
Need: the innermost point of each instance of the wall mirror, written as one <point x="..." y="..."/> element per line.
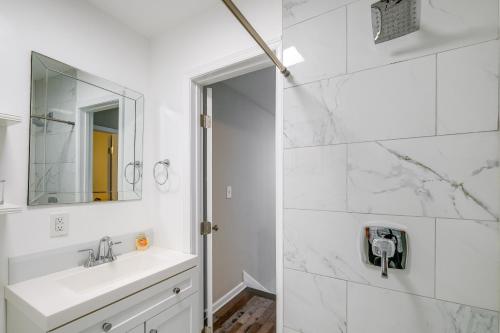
<point x="85" y="137"/>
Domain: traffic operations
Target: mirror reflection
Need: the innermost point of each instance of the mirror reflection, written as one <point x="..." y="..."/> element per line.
<point x="85" y="137"/>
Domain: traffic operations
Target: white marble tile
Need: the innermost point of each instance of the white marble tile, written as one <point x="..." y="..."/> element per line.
<point x="67" y="178"/>
<point x="378" y="310"/>
<point x="468" y="262"/>
<point x="455" y="176"/>
<point x="445" y="24"/>
<point x="295" y="11"/>
<point x="315" y="178"/>
<point x="59" y="177"/>
<point x="468" y="89"/>
<point x="314" y="303"/>
<point x="37" y="148"/>
<point x="362" y="107"/>
<point x="322" y="43"/>
<point x="60" y="148"/>
<point x="329" y="243"/>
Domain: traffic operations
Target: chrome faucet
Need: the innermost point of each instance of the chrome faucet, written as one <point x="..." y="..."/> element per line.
<point x="104" y="255"/>
<point x="386" y="247"/>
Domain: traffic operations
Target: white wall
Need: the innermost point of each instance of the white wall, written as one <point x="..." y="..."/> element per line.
<point x="404" y="132"/>
<point x="202" y="40"/>
<point x="75" y="33"/>
<point x="244" y="158"/>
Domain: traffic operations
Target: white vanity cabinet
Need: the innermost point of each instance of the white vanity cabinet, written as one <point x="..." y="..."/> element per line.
<point x="169" y="306"/>
<point x="138" y="329"/>
<point x="180" y="318"/>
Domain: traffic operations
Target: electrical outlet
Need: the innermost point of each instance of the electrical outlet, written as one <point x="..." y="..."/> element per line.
<point x="59" y="224"/>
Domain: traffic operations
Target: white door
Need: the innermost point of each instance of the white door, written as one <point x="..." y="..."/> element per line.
<point x="180" y="318"/>
<point x="207" y="207"/>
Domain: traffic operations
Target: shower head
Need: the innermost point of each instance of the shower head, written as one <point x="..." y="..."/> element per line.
<point x="394" y="18"/>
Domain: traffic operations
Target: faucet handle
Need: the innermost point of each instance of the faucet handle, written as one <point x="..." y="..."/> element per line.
<point x="111" y="256"/>
<point x="384" y="248"/>
<point x="91" y="258"/>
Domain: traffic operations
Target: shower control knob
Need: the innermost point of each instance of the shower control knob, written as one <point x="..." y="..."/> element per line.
<point x="177" y="290"/>
<point x="106" y="327"/>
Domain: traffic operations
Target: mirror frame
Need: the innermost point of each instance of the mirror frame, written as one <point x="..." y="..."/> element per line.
<point x="122" y="94"/>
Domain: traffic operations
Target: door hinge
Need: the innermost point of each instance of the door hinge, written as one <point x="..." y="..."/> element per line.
<point x="206" y="228"/>
<point x="205" y="121"/>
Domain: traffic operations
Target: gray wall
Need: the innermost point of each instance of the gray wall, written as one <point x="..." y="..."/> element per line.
<point x="243" y="157"/>
<point x="404" y="133"/>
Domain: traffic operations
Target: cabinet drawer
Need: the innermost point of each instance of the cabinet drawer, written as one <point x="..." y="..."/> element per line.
<point x="129" y="312"/>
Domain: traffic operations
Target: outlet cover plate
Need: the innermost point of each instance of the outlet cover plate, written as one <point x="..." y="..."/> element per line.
<point x="59" y="224"/>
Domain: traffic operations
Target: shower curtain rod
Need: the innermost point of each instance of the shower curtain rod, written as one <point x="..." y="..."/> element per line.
<point x="255" y="35"/>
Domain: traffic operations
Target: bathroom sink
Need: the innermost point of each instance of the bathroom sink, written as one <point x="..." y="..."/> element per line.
<point x="58" y="298"/>
<point x="102" y="276"/>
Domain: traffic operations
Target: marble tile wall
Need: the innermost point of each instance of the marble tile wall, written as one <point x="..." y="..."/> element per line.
<point x="53" y="158"/>
<point x="404" y="134"/>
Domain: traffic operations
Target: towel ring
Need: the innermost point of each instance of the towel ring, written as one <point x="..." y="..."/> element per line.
<point x="137" y="166"/>
<point x="165" y="164"/>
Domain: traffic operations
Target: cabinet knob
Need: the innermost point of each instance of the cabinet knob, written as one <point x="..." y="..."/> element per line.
<point x="177" y="290"/>
<point x="106" y="327"/>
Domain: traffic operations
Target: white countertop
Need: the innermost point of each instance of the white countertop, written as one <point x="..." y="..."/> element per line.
<point x="49" y="301"/>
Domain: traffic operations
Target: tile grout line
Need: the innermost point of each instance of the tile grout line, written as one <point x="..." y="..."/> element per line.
<point x="347" y="177"/>
<point x="393" y="290"/>
<point x="389" y="214"/>
<point x="388" y="64"/>
<point x="346" y="306"/>
<point x="436" y="97"/>
<point x="346" y="41"/>
<point x="392" y="139"/>
<point x="435" y="257"/>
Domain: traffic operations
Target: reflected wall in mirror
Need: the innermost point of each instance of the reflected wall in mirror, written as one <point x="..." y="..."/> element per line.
<point x="85" y="137"/>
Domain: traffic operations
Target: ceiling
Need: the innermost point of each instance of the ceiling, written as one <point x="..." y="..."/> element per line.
<point x="149" y="17"/>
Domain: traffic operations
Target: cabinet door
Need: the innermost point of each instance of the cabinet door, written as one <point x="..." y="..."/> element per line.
<point x="138" y="329"/>
<point x="180" y="318"/>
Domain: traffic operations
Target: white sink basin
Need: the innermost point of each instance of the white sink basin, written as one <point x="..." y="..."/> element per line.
<point x="102" y="276"/>
<point x="55" y="299"/>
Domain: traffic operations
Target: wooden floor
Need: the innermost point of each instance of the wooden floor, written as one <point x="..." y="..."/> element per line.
<point x="249" y="312"/>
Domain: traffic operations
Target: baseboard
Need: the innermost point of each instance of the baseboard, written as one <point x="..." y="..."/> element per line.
<point x="252" y="283"/>
<point x="227" y="297"/>
<point x="248" y="282"/>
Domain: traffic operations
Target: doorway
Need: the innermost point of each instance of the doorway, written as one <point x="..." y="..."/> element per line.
<point x="105" y="155"/>
<point x="242" y="189"/>
<point x="202" y="205"/>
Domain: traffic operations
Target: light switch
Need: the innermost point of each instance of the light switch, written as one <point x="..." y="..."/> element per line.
<point x="229" y="192"/>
